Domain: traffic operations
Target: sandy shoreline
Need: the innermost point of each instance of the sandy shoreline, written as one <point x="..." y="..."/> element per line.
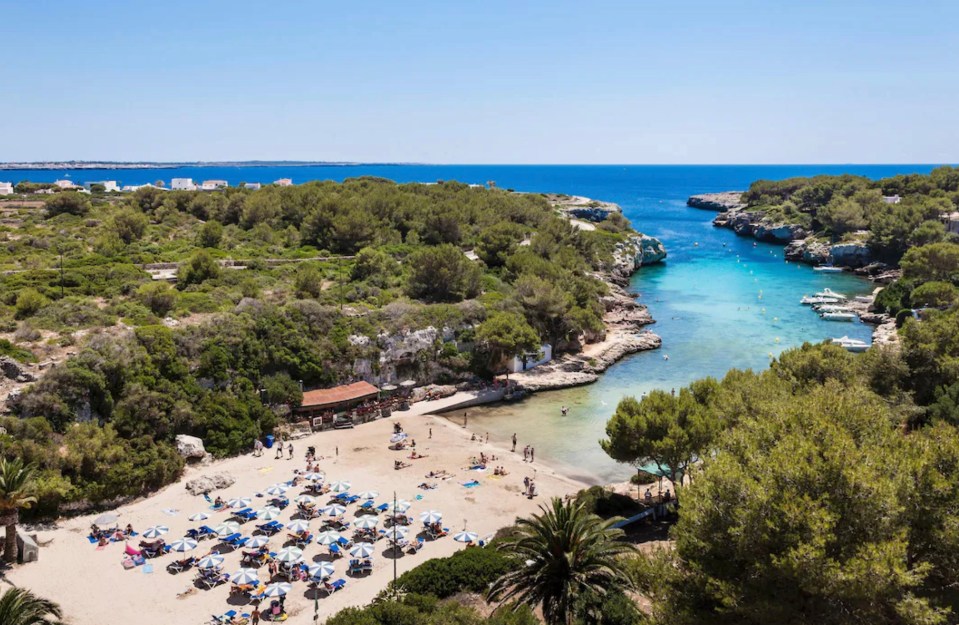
<point x="93" y="588"/>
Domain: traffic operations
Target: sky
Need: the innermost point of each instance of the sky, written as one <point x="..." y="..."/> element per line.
<point x="638" y="81"/>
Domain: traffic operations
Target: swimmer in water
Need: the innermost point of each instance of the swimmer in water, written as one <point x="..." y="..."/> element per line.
<point x="564" y="410"/>
<point x="665" y="356"/>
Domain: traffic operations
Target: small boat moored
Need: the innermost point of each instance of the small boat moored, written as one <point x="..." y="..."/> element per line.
<point x="827" y="292"/>
<point x="839" y="316"/>
<point x="818" y="299"/>
<point x="852" y="345"/>
<point x="828" y="269"/>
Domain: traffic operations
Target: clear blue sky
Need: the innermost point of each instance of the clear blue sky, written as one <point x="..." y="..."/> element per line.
<point x="638" y="81"/>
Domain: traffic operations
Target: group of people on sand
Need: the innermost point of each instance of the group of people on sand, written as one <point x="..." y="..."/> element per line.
<point x="104" y="536"/>
<point x="529" y="453"/>
<point x="530" y="488"/>
<point x="500" y="471"/>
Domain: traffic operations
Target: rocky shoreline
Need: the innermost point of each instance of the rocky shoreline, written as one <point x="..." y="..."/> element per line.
<point x="801" y="245"/>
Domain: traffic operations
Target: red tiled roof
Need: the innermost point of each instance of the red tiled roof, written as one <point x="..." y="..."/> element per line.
<point x="338" y="394"/>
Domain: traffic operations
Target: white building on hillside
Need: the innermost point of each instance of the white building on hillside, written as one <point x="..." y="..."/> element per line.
<point x="6" y="188"/>
<point x="891" y="199"/>
<point x="254" y="186"/>
<point x="284" y="182"/>
<point x="65" y="184"/>
<point x="213" y="185"/>
<point x="108" y="185"/>
<point x="182" y="184"/>
<point x="525" y="362"/>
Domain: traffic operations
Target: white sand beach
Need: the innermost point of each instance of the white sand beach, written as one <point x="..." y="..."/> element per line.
<point x="93" y="588"/>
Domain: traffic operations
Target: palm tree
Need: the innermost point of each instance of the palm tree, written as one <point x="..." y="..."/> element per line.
<point x="569" y="553"/>
<point x="19" y="606"/>
<point x="15" y="482"/>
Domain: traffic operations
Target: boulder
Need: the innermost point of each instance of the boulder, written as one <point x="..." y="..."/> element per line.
<point x="190" y="447"/>
<point x="14" y="370"/>
<point x="208" y="483"/>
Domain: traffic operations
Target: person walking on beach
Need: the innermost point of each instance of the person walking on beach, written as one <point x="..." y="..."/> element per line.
<point x="532" y="452"/>
<point x="279" y="449"/>
<point x="514" y="443"/>
<point x="290" y="449"/>
<point x="255" y="615"/>
<point x="431" y="432"/>
<point x="257" y="447"/>
<point x="464" y="420"/>
<point x="525" y="453"/>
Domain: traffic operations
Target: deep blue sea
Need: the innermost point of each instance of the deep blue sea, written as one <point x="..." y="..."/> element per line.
<point x="719" y="300"/>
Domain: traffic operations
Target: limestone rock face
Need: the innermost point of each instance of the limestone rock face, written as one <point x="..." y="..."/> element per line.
<point x="850" y="255"/>
<point x="635" y="252"/>
<point x="208" y="483"/>
<point x="190" y="447"/>
<point x="404" y="346"/>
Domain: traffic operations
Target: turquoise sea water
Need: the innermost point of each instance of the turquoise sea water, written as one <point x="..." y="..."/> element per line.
<point x="705" y="298"/>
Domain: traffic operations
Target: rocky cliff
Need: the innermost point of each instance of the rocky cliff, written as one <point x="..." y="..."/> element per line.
<point x="632" y="254"/>
<point x="727" y="200"/>
<point x="801" y="246"/>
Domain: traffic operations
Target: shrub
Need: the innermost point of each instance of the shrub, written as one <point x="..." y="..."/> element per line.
<point x="67" y="203"/>
<point x="469" y="570"/>
<point x="158" y="297"/>
<point x="200" y="268"/>
<point x="29" y="303"/>
<point x="17" y="353"/>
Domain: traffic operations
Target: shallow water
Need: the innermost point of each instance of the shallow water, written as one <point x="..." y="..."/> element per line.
<point x="723" y="303"/>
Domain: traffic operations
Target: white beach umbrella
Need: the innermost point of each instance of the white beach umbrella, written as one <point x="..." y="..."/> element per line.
<point x="298" y="526"/>
<point x="289" y="555"/>
<point x="210" y="562"/>
<point x="156" y="531"/>
<point x="333" y="510"/>
<point x="245" y="577"/>
<point x="465" y="537"/>
<point x="431" y="516"/>
<point x="320" y="570"/>
<point x="106" y="518"/>
<point x="269" y="513"/>
<point x="277" y="489"/>
<point x="183" y="544"/>
<point x="397" y="532"/>
<point x="362" y="550"/>
<point x="314" y="477"/>
<point x="200" y="516"/>
<point x="258" y="541"/>
<point x="366" y="522"/>
<point x="400" y="506"/>
<point x="225" y="529"/>
<point x="239" y="502"/>
<point x="327" y="538"/>
<point x="398" y="437"/>
<point x="305" y="499"/>
<point x="368" y="494"/>
<point x="340" y="486"/>
<point x="277" y="590"/>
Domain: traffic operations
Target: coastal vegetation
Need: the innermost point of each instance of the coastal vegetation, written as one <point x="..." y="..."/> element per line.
<point x="271" y="289"/>
<point x="823" y="490"/>
<point x="19" y="606"/>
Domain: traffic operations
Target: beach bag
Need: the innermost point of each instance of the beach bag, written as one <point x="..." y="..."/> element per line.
<point x="128" y="563"/>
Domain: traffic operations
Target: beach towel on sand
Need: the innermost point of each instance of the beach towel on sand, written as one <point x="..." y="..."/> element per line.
<point x="471" y="484"/>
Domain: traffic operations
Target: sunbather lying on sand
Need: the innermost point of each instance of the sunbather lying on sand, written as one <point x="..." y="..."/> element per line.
<point x="427" y="486"/>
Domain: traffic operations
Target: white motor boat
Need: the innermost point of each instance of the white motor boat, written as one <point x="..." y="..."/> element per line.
<point x="838" y="316"/>
<point x="827" y="292"/>
<point x="831" y="308"/>
<point x="852" y="345"/>
<point x="864" y="299"/>
<point x="818" y="299"/>
<point x="827" y="269"/>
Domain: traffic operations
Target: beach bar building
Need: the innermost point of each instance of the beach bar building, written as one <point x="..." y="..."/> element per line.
<point x="321" y="406"/>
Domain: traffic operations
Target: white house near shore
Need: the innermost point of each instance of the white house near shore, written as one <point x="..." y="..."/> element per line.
<point x="183" y="184"/>
<point x="284" y="182"/>
<point x="254" y="186"/>
<point x="525" y="362"/>
<point x="6" y="188"/>
<point x="891" y="199"/>
<point x="64" y="184"/>
<point x="213" y="185"/>
<point x="108" y="185"/>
